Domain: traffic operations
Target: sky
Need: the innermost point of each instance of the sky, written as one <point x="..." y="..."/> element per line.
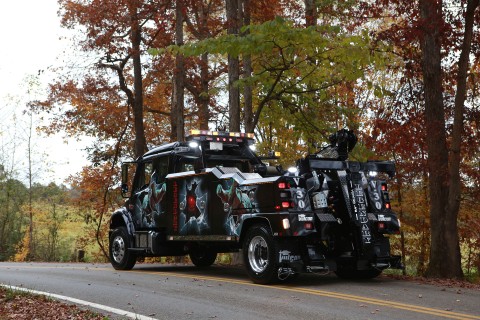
<point x="33" y="40"/>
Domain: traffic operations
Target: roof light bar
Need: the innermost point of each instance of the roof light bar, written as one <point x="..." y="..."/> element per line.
<point x="195" y="132"/>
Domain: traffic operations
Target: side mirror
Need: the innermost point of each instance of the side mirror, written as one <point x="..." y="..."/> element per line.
<point x="125" y="182"/>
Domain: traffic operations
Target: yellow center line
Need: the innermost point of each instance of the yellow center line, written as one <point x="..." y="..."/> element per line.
<point x="329" y="294"/>
<point x="391" y="304"/>
<point x="323" y="293"/>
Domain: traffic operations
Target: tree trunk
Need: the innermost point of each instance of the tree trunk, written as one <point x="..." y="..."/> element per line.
<point x="31" y="243"/>
<point x="203" y="112"/>
<point x="247" y="73"/>
<point x="232" y="10"/>
<point x="398" y="186"/>
<point x="311" y="14"/>
<point x="177" y="115"/>
<point x="136" y="39"/>
<point x="443" y="248"/>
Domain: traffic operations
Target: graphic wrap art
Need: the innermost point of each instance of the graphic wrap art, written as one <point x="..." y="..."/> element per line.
<point x="148" y="208"/>
<point x="193" y="213"/>
<point x="236" y="201"/>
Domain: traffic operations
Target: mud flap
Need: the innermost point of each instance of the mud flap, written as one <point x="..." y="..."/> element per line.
<point x="293" y="256"/>
<point x="289" y="256"/>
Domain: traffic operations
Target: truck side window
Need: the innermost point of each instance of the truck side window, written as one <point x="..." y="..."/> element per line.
<point x="184" y="164"/>
<point x="148" y="172"/>
<point x="160" y="167"/>
<point x="144" y="175"/>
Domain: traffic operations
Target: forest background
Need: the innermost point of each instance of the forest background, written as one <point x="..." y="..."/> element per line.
<point x="402" y="74"/>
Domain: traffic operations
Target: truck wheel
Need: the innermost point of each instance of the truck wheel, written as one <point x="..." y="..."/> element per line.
<point x="202" y="257"/>
<point x="120" y="257"/>
<point x="260" y="255"/>
<point x="350" y="272"/>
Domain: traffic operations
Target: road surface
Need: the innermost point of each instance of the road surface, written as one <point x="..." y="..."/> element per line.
<point x="185" y="292"/>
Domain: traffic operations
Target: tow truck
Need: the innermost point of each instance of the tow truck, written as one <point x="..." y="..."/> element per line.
<point x="213" y="194"/>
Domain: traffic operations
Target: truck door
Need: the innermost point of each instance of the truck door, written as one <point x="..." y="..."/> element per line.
<point x="148" y="197"/>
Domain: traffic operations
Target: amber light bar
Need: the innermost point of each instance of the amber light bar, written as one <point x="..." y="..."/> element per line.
<point x="221" y="134"/>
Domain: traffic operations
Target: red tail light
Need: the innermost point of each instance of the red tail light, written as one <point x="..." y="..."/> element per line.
<point x="284" y="197"/>
<point x="386" y="197"/>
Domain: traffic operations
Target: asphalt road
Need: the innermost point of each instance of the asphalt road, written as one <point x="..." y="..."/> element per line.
<point x="184" y="292"/>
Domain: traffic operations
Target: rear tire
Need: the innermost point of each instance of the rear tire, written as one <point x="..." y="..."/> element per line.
<point x="120" y="257"/>
<point x="260" y="255"/>
<point x="203" y="257"/>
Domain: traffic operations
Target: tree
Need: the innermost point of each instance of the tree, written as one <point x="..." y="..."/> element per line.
<point x="434" y="40"/>
<point x="177" y="114"/>
<point x="203" y="20"/>
<point x="13" y="194"/>
<point x="109" y="100"/>
<point x="444" y="166"/>
<point x="296" y="67"/>
<point x="232" y="13"/>
<point x="136" y="39"/>
<point x="247" y="72"/>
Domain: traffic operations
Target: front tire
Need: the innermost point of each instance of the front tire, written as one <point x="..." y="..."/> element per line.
<point x="260" y="255"/>
<point x="120" y="257"/>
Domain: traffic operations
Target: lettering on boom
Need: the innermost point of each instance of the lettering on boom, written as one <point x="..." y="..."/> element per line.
<point x="358" y="195"/>
<point x="175" y="206"/>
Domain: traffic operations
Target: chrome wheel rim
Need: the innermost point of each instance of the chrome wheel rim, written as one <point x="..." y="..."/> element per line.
<point x="258" y="254"/>
<point x="118" y="249"/>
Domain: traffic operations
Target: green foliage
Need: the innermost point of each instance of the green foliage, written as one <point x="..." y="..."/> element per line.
<point x="13" y="195"/>
<point x="299" y="77"/>
<point x="318" y="56"/>
<point x="57" y="226"/>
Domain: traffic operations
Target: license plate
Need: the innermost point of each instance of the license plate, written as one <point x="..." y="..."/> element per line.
<point x="216" y="146"/>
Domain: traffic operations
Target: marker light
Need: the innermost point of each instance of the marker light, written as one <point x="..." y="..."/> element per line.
<point x="193" y="144"/>
<point x="232" y="135"/>
<point x="309" y="225"/>
<point x="292" y="170"/>
<point x="285" y="204"/>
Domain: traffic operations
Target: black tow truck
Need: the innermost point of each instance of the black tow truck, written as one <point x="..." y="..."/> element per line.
<point x="213" y="194"/>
